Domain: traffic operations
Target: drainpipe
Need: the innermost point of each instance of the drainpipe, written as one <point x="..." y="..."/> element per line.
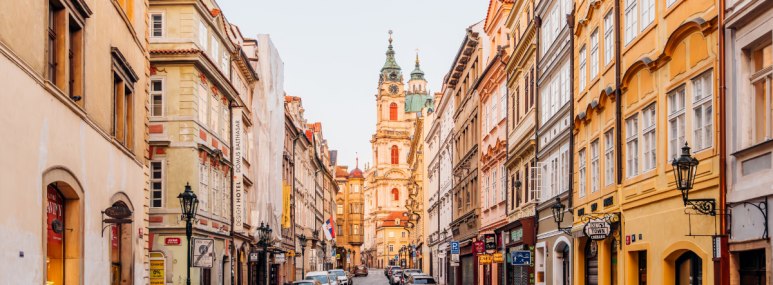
<point x="724" y="262"/>
<point x="538" y="21"/>
<point x="570" y="196"/>
<point x="618" y="130"/>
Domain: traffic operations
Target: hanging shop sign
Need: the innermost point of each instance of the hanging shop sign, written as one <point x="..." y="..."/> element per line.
<point x="279" y="258"/>
<point x="203" y="252"/>
<point x="484" y="259"/>
<point x="516" y="235"/>
<point x="490" y="241"/>
<point x="597" y="229"/>
<point x="498" y="257"/>
<point x="479" y="247"/>
<point x="291" y="253"/>
<point x="253" y="257"/>
<point x="521" y="257"/>
<point x="237" y="175"/>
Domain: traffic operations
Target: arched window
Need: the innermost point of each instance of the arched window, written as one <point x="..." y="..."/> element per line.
<point x="395" y="155"/>
<point x="689" y="269"/>
<point x="395" y="194"/>
<point x="393" y="112"/>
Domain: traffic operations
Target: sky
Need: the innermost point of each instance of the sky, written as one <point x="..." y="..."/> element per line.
<point x="333" y="51"/>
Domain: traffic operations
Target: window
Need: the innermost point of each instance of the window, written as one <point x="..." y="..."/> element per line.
<point x="225" y="122"/>
<point x="355" y="229"/>
<point x="203" y="36"/>
<point x="214" y="187"/>
<point x="215" y="50"/>
<point x="689" y="269"/>
<point x="391" y="247"/>
<point x="632" y="145"/>
<point x="675" y="121"/>
<point x="649" y="120"/>
<point x="670" y="2"/>
<point x="201" y="93"/>
<point x="156" y="97"/>
<point x="157" y="25"/>
<point x="761" y="61"/>
<point x="581" y="173"/>
<point x="503" y="181"/>
<point x="502" y="101"/>
<point x="214" y="114"/>
<point x="393" y="112"/>
<point x="647" y="13"/>
<point x="582" y="68"/>
<point x="609" y="34"/>
<point x="594" y="53"/>
<point x="203" y="193"/>
<point x="65" y="51"/>
<point x="609" y="158"/>
<point x="594" y="166"/>
<point x="395" y="155"/>
<point x="123" y="110"/>
<point x="53" y="33"/>
<point x="631" y="20"/>
<point x="555" y="93"/>
<point x="493" y="191"/>
<point x="156" y="184"/>
<point x="340" y="209"/>
<point x="703" y="118"/>
<point x="395" y="194"/>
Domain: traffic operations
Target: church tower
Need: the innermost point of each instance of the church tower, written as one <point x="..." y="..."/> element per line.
<point x="386" y="181"/>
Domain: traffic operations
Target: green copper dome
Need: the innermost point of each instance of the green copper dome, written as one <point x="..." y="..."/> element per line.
<point x="417" y="74"/>
<point x="391" y="70"/>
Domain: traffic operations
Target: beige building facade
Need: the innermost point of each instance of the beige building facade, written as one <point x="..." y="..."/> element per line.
<point x="75" y="77"/>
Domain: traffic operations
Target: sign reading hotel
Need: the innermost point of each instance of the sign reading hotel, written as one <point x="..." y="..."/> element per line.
<point x="597" y="229"/>
<point x="238" y="188"/>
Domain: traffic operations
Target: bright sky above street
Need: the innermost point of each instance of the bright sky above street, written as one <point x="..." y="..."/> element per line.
<point x="333" y="51"/>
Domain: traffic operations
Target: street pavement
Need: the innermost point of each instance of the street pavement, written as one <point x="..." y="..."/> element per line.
<point x="375" y="277"/>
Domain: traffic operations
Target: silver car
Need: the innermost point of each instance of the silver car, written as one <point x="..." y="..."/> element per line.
<point x="420" y="279"/>
<point x="341" y="276"/>
<point x="321" y="276"/>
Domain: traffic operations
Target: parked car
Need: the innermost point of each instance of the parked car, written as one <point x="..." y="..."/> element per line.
<point x="321" y="276"/>
<point x="389" y="269"/>
<point x="341" y="276"/>
<point x="307" y="282"/>
<point x="420" y="279"/>
<point x="360" y="270"/>
<point x="408" y="272"/>
<point x="395" y="276"/>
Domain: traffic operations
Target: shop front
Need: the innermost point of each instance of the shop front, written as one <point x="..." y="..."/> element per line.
<point x="518" y="244"/>
<point x="597" y="243"/>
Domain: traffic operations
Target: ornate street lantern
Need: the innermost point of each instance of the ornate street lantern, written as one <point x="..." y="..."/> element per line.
<point x="559" y="210"/>
<point x="189" y="203"/>
<point x="684" y="174"/>
<point x="302" y="240"/>
<point x="684" y="171"/>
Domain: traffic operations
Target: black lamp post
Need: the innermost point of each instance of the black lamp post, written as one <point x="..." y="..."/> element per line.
<point x="685" y="167"/>
<point x="189" y="204"/>
<point x="264" y="240"/>
<point x="559" y="210"/>
<point x="302" y="240"/>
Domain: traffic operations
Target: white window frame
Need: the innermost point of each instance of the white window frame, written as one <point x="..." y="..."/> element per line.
<point x="670" y="2"/>
<point x="760" y="76"/>
<point x="215" y="55"/>
<point x="649" y="149"/>
<point x="609" y="38"/>
<point x="632" y="145"/>
<point x="203" y="105"/>
<point x="631" y="21"/>
<point x="703" y="116"/>
<point x="581" y="172"/>
<point x="159" y="180"/>
<point x="676" y="120"/>
<point x="203" y="193"/>
<point x="594" y="165"/>
<point x="203" y="35"/>
<point x="594" y="53"/>
<point x="647" y="14"/>
<point x="153" y="29"/>
<point x="154" y="93"/>
<point x="493" y="187"/>
<point x="582" y="70"/>
<point x="503" y="181"/>
<point x="609" y="158"/>
<point x="225" y="60"/>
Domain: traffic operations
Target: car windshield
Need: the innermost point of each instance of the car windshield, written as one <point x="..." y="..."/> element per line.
<point x="338" y="272"/>
<point x="396" y="272"/>
<point x="410" y="271"/>
<point x="424" y="281"/>
<point x="320" y="278"/>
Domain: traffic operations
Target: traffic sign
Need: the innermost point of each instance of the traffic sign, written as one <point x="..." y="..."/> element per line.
<point x="521" y="257"/>
<point x="454" y="247"/>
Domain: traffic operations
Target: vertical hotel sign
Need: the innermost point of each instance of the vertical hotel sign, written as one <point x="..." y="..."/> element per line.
<point x="238" y="184"/>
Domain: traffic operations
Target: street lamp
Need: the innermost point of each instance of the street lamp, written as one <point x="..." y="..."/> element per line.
<point x="264" y="240"/>
<point x="189" y="204"/>
<point x="559" y="210"/>
<point x="302" y="240"/>
<point x="685" y="167"/>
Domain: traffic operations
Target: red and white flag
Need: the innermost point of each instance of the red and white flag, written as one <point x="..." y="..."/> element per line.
<point x="329" y="229"/>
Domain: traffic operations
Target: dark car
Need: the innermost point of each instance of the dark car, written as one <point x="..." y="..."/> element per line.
<point x="360" y="270"/>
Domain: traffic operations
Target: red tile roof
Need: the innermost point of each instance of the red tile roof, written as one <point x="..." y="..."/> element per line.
<point x="391" y="219"/>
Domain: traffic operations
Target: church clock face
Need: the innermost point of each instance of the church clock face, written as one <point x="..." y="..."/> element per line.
<point x="393" y="89"/>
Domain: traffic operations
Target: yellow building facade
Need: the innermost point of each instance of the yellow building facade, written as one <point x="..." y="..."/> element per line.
<point x="630" y="122"/>
<point x="349" y="217"/>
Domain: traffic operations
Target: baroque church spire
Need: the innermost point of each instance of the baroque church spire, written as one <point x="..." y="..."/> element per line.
<point x="417" y="73"/>
<point x="391" y="70"/>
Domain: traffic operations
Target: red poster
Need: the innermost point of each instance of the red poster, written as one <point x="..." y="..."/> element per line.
<point x="55" y="215"/>
<point x="479" y="247"/>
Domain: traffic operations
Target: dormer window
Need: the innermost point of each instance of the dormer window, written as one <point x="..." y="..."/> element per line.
<point x="397" y="222"/>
